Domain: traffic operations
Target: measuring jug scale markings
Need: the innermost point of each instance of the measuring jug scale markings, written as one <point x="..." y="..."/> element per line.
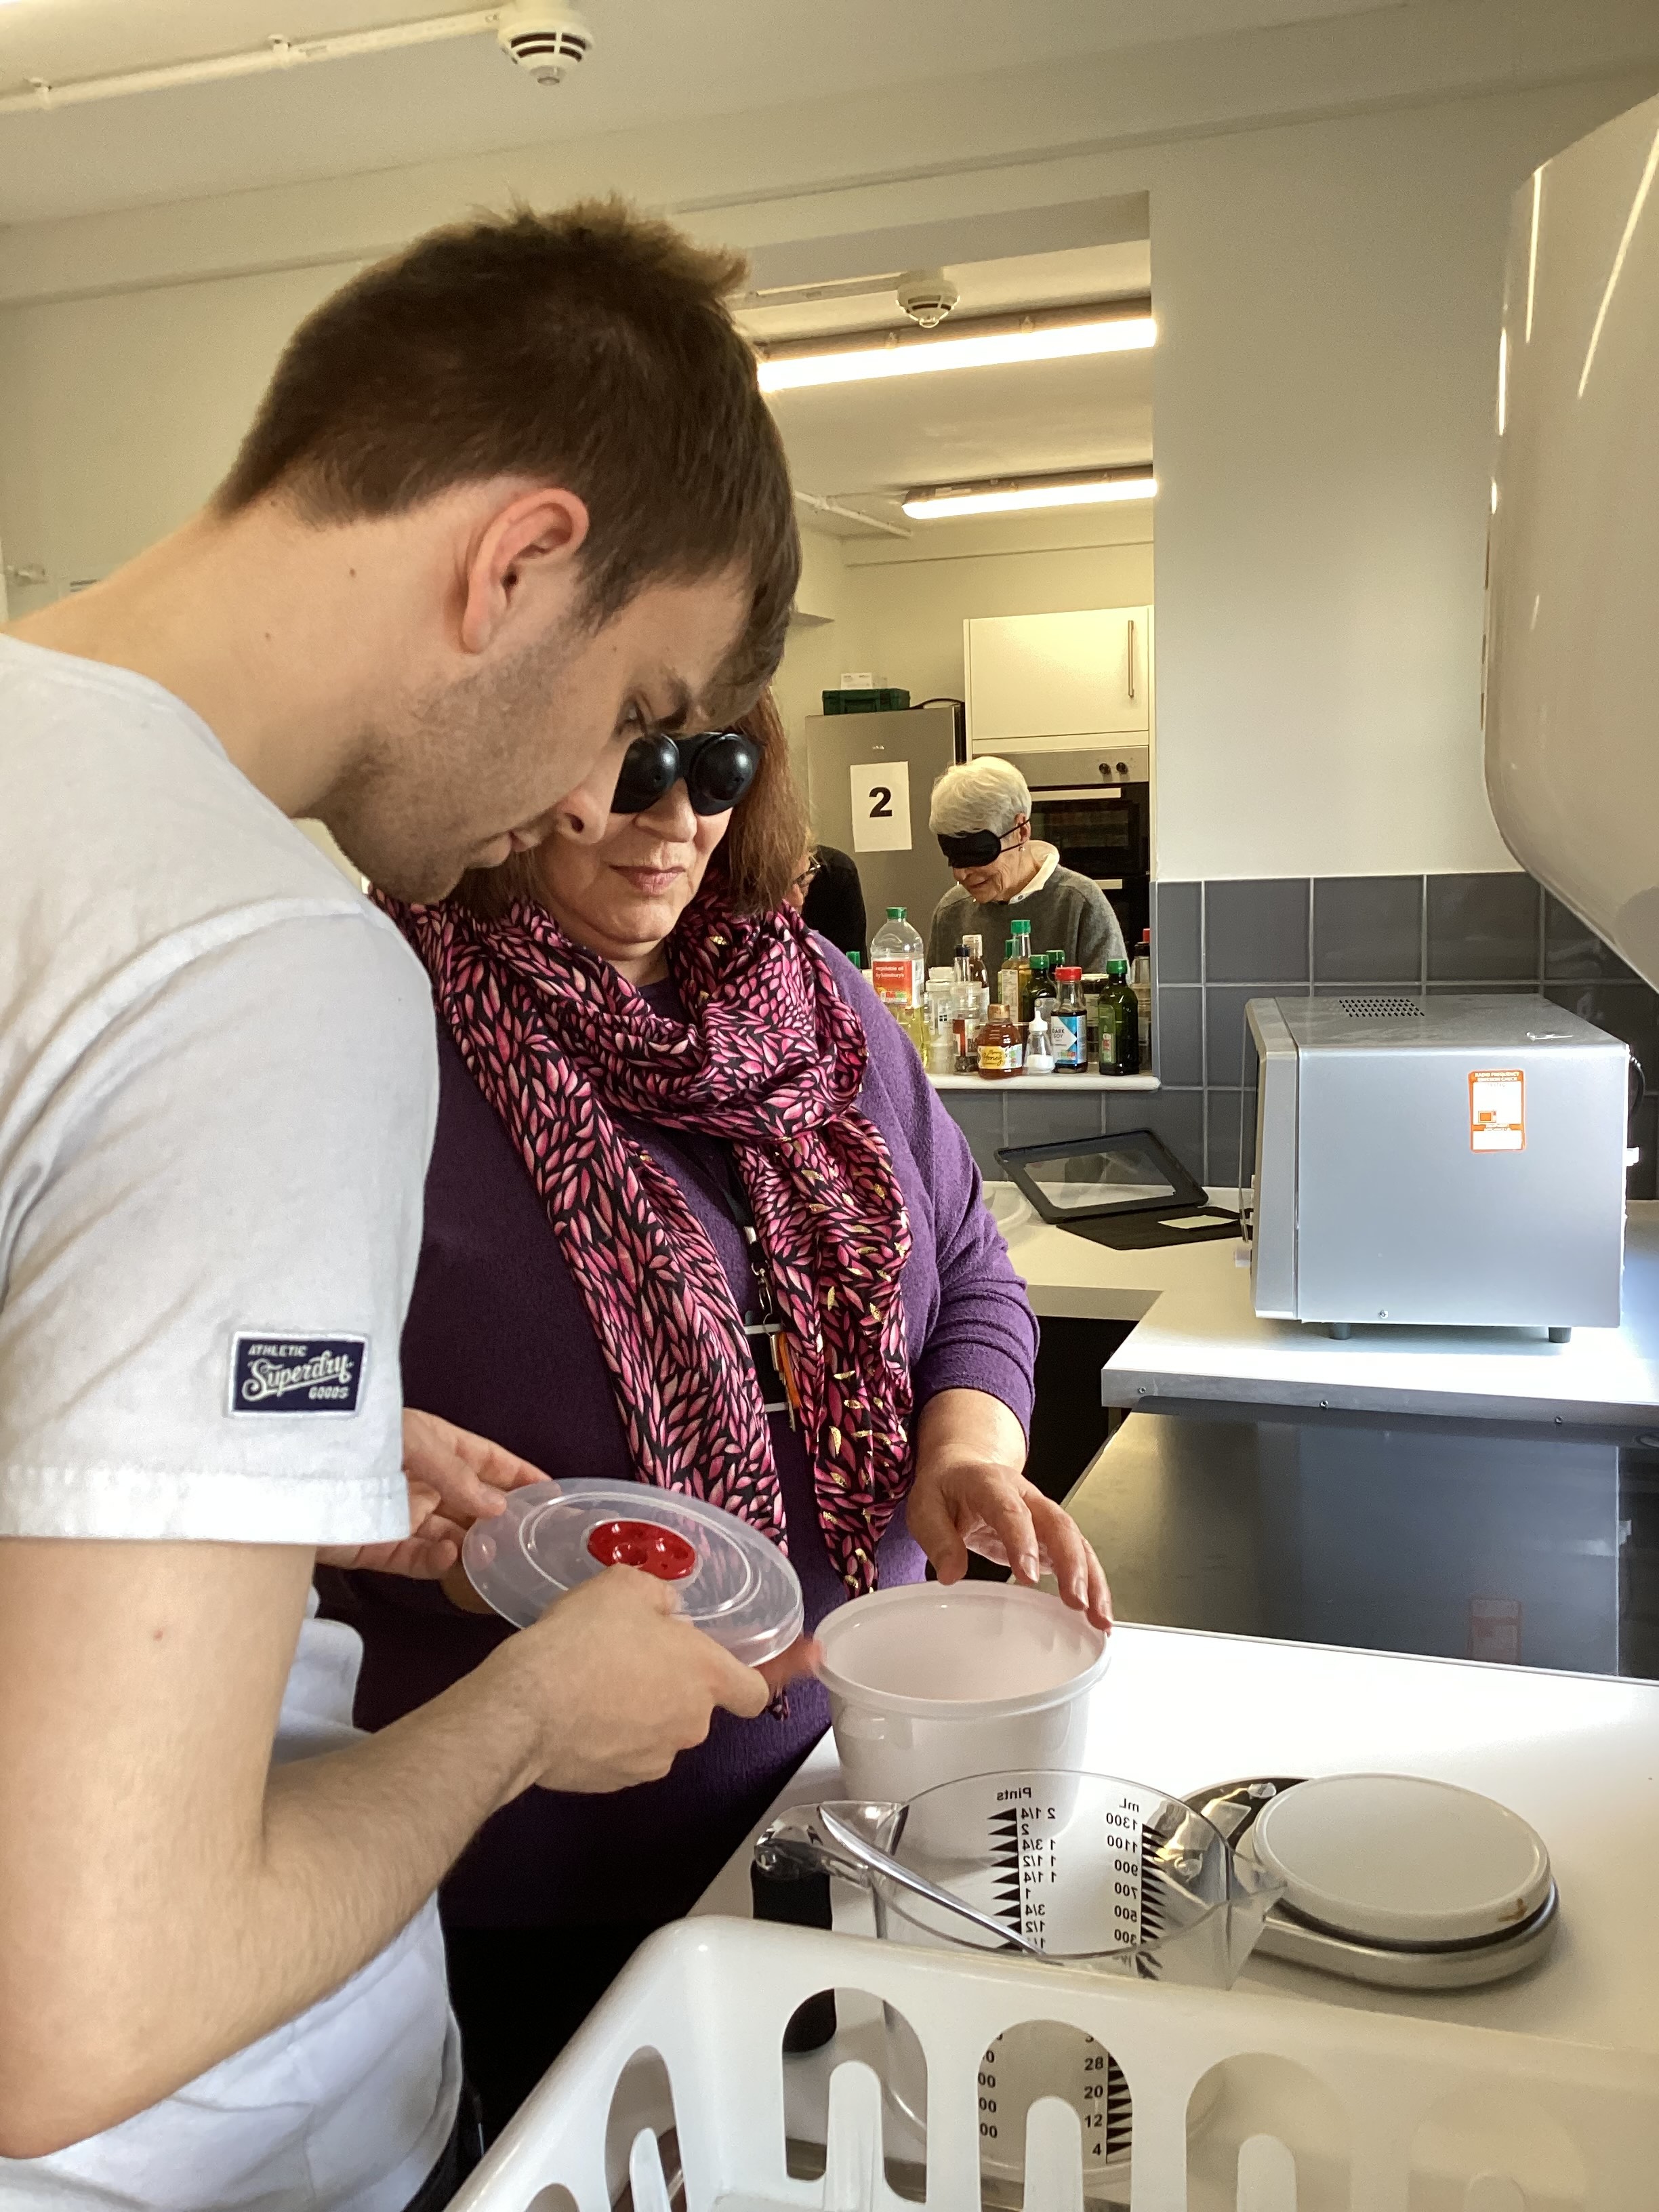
<point x="1125" y="1911"/>
<point x="1104" y="1876"/>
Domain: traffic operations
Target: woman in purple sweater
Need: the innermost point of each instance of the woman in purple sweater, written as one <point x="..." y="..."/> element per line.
<point x="640" y="1054"/>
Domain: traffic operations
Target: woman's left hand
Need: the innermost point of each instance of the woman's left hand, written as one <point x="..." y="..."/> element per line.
<point x="455" y="1479"/>
<point x="970" y="1494"/>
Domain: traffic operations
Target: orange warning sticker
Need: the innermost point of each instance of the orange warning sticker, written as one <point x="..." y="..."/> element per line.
<point x="1497" y="1110"/>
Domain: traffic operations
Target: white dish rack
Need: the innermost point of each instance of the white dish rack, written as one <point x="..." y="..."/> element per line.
<point x="1301" y="2106"/>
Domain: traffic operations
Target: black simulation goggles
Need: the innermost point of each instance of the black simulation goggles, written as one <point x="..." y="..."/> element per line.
<point x="718" y="766"/>
<point x="975" y="848"/>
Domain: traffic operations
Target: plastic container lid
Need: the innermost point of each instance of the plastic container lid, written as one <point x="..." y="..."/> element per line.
<point x="732" y="1582"/>
<point x="968" y="1650"/>
<point x="1398" y="1859"/>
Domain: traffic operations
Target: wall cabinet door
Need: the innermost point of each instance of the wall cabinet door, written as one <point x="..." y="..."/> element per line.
<point x="1058" y="676"/>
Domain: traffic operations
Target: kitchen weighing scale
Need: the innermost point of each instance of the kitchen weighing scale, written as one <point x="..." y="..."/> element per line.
<point x="730" y="1581"/>
<point x="1392" y="1879"/>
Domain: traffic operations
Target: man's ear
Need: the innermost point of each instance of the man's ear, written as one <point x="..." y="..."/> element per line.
<point x="533" y="542"/>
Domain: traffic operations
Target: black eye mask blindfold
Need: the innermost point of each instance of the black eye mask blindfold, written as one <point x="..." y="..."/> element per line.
<point x="975" y="848"/>
<point x="718" y="766"/>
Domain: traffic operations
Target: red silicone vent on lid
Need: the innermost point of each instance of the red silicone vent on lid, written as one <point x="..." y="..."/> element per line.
<point x="657" y="1550"/>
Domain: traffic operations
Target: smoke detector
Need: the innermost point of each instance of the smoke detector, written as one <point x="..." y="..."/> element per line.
<point x="547" y="42"/>
<point x="928" y="296"/>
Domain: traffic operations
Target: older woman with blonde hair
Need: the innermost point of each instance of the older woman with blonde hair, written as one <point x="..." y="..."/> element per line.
<point x="695" y="1219"/>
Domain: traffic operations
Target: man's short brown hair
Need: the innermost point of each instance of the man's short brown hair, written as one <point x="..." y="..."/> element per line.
<point x="591" y="349"/>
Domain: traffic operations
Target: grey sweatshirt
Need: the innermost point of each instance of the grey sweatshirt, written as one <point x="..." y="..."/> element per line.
<point x="1068" y="911"/>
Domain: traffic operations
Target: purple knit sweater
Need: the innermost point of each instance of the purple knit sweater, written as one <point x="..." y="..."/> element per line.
<point x="498" y="1339"/>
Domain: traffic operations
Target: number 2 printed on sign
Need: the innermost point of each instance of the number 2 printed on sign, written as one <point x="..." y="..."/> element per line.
<point x="881" y="806"/>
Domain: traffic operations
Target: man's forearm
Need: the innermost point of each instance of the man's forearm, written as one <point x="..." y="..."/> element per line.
<point x="139" y="1967"/>
<point x="165" y="1897"/>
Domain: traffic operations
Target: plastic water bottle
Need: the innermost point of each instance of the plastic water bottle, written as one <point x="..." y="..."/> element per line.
<point x="899" y="962"/>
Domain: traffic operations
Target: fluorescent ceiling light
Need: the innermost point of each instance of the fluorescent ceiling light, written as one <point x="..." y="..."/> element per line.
<point x="1014" y="498"/>
<point x="1060" y="335"/>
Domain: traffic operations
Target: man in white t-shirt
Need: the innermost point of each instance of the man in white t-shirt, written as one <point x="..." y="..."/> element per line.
<point x="511" y="498"/>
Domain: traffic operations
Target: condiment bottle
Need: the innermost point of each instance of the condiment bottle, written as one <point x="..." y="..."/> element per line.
<point x="1092" y="988"/>
<point x="1044" y="997"/>
<point x="1119" y="1023"/>
<point x="1008" y="979"/>
<point x="941" y="1033"/>
<point x="1068" y="1024"/>
<point x="1020" y="1010"/>
<point x="1039" y="1060"/>
<point x="1140" y="974"/>
<point x="1000" y="1054"/>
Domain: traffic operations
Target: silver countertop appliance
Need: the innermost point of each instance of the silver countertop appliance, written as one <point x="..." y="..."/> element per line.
<point x="1437" y="1161"/>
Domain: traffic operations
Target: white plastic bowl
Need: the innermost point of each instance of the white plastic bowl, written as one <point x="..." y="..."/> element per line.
<point x="929" y="1684"/>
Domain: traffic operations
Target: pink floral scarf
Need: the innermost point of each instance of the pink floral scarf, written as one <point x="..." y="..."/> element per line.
<point x="770" y="1058"/>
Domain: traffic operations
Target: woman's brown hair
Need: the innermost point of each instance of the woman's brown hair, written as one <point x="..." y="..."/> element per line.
<point x="756" y="861"/>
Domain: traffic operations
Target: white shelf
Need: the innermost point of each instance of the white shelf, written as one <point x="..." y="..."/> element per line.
<point x="1010" y="1084"/>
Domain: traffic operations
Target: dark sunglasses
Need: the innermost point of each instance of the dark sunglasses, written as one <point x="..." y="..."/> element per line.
<point x="717" y="766"/>
<point x="975" y="848"/>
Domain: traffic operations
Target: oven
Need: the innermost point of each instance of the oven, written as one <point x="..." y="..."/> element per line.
<point x="1095" y="806"/>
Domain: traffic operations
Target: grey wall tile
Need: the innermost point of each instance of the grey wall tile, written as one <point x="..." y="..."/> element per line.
<point x="1256" y="929"/>
<point x="1627" y="1010"/>
<point x="1227" y="1048"/>
<point x="1178" y="1033"/>
<point x="1222" y="1134"/>
<point x="1482" y="929"/>
<point x="1044" y="1117"/>
<point x="1371" y="989"/>
<point x="1573" y="948"/>
<point x="1524" y="989"/>
<point x="1176" y="1116"/>
<point x="1368" y="929"/>
<point x="980" y="1120"/>
<point x="1175" y="932"/>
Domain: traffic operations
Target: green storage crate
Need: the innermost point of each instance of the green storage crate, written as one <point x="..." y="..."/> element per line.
<point x="884" y="702"/>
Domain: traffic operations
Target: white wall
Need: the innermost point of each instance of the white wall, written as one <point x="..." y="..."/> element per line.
<point x="124" y="411"/>
<point x="1327" y="295"/>
<point x="896" y="606"/>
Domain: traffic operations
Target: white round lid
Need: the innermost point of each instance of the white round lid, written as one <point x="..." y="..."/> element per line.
<point x="1400" y="1859"/>
<point x="732" y="1582"/>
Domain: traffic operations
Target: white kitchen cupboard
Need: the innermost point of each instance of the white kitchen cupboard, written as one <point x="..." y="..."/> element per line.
<point x="1082" y="675"/>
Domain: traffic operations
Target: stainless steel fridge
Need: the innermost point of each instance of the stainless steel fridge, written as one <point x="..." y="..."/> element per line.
<point x="869" y="781"/>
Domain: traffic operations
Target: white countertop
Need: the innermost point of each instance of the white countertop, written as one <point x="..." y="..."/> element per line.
<point x="1012" y="1085"/>
<point x="1198" y="1340"/>
<point x="1577" y="1755"/>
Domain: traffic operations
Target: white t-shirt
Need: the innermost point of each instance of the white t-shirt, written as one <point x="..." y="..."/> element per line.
<point x="217" y="1088"/>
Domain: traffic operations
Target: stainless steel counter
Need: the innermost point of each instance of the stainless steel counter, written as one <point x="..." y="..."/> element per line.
<point x="1448" y="1539"/>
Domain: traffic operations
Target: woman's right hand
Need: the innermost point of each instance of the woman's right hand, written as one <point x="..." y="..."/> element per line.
<point x="616" y="1685"/>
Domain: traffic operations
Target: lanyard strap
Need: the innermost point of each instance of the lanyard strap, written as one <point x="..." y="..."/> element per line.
<point x="768" y="1345"/>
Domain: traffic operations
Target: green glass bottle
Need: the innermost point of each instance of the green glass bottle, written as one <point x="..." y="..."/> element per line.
<point x="1022" y="960"/>
<point x="1119" y="1023"/>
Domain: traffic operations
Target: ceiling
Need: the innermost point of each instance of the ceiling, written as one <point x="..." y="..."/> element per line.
<point x="654" y="62"/>
<point x="864" y="445"/>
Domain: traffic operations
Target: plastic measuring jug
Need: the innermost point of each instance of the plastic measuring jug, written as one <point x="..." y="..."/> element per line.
<point x="1103" y="1876"/>
<point x="928" y="1684"/>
